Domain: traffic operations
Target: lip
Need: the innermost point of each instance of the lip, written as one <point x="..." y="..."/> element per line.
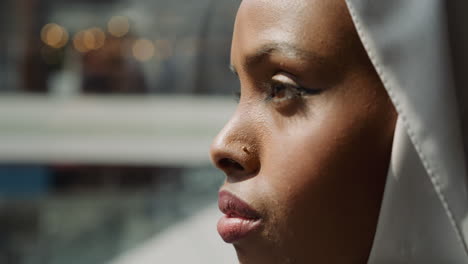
<point x="239" y="218"/>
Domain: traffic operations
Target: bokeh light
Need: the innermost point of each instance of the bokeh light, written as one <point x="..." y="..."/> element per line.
<point x="118" y="26"/>
<point x="90" y="39"/>
<point x="54" y="35"/>
<point x="94" y="38"/>
<point x="78" y="42"/>
<point x="143" y="49"/>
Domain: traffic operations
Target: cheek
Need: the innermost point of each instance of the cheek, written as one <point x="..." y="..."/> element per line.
<point x="322" y="159"/>
<point x="297" y="161"/>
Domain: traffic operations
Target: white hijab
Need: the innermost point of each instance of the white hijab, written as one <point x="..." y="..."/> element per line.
<point x="424" y="214"/>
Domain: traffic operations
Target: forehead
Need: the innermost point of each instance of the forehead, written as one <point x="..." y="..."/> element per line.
<point x="321" y="26"/>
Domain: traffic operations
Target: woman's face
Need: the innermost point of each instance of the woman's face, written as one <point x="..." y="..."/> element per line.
<point x="308" y="147"/>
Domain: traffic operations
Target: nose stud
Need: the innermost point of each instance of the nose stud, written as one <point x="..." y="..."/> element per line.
<point x="245" y="149"/>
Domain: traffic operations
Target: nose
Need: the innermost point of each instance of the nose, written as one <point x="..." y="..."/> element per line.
<point x="235" y="150"/>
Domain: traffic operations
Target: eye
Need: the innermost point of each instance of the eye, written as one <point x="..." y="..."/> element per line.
<point x="280" y="92"/>
<point x="284" y="89"/>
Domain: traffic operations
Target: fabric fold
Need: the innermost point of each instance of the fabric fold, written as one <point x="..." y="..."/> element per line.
<point x="425" y="204"/>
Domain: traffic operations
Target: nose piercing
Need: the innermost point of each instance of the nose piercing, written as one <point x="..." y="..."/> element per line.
<point x="244" y="148"/>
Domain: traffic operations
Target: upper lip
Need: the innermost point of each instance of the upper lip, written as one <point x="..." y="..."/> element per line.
<point x="233" y="206"/>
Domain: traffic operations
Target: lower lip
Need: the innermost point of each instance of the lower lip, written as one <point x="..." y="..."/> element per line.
<point x="232" y="229"/>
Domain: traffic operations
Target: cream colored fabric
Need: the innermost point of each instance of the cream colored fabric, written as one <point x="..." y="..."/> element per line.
<point x="425" y="206"/>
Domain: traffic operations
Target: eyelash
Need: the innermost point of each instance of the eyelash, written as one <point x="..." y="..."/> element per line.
<point x="276" y="87"/>
<point x="295" y="92"/>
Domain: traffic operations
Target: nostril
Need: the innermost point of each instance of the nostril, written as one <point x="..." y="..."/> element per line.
<point x="227" y="164"/>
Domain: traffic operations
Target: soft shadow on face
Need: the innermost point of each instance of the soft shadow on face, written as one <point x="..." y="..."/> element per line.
<point x="309" y="144"/>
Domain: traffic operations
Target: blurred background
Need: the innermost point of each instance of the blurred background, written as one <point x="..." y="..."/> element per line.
<point x="107" y="110"/>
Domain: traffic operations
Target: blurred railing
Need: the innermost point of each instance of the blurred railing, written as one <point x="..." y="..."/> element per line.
<point x="154" y="130"/>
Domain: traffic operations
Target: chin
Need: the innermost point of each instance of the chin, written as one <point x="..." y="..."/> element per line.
<point x="263" y="259"/>
<point x="258" y="251"/>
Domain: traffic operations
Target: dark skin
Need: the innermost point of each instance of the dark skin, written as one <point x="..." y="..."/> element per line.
<point x="309" y="144"/>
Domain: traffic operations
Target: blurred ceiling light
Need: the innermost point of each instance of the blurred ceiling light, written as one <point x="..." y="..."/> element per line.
<point x="94" y="38"/>
<point x="164" y="49"/>
<point x="54" y="35"/>
<point x="78" y="42"/>
<point x="90" y="39"/>
<point x="143" y="49"/>
<point x="118" y="26"/>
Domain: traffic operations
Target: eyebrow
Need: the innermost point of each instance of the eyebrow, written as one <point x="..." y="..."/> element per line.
<point x="283" y="48"/>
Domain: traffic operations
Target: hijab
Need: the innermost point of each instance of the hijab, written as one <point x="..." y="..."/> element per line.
<point x="415" y="46"/>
